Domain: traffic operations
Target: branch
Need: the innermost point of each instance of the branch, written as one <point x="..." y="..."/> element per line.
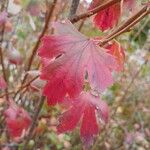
<point x="41" y="35"/>
<point x="127" y="25"/>
<point x="94" y="11"/>
<point x="21" y="87"/>
<point x="73" y="8"/>
<point x="35" y="118"/>
<point x="1" y="53"/>
<point x="4" y="72"/>
<point x="31" y="58"/>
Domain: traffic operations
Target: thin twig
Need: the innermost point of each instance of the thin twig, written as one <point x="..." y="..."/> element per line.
<point x="4" y="73"/>
<point x="1" y="54"/>
<point x="127" y="25"/>
<point x="45" y="28"/>
<point x="52" y="6"/>
<point x="141" y="28"/>
<point x="132" y="81"/>
<point x="35" y="118"/>
<point x="21" y="87"/>
<point x="94" y="11"/>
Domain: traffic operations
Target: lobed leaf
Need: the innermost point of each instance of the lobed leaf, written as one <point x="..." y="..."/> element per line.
<point x="67" y="57"/>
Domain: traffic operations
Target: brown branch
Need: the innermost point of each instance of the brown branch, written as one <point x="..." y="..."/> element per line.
<point x="52" y="6"/>
<point x="1" y="53"/>
<point x="127" y="25"/>
<point x="81" y="25"/>
<point x="73" y="8"/>
<point x="4" y="72"/>
<point x="35" y="118"/>
<point x="31" y="58"/>
<point x="94" y="11"/>
<point x="21" y="87"/>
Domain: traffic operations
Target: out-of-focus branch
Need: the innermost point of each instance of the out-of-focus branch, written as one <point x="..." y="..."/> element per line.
<point x="21" y="87"/>
<point x="1" y="53"/>
<point x="51" y="9"/>
<point x="132" y="81"/>
<point x="35" y="118"/>
<point x="4" y="72"/>
<point x="34" y="50"/>
<point x="73" y="8"/>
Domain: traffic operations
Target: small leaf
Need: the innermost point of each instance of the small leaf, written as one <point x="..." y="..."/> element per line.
<point x="84" y="107"/>
<point x="117" y="51"/>
<point x="17" y="120"/>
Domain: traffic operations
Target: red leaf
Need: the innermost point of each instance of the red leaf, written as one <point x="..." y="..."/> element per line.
<point x="74" y="54"/>
<point x="89" y="126"/>
<point x="85" y="106"/>
<point x="117" y="51"/>
<point x="107" y="18"/>
<point x="17" y="120"/>
<point x="3" y="84"/>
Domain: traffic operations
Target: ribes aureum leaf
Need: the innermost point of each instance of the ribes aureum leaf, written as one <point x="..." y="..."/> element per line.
<point x="107" y="18"/>
<point x="17" y="120"/>
<point x="68" y="56"/>
<point x="84" y="108"/>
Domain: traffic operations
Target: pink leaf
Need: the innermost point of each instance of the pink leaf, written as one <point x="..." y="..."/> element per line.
<point x="3" y="84"/>
<point x="3" y="17"/>
<point x="83" y="107"/>
<point x="73" y="55"/>
<point x="17" y="120"/>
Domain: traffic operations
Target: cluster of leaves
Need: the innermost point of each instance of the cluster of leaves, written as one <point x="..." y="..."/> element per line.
<point x="75" y="71"/>
<point x="67" y="63"/>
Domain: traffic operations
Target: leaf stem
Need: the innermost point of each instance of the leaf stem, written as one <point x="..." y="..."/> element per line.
<point x="35" y="118"/>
